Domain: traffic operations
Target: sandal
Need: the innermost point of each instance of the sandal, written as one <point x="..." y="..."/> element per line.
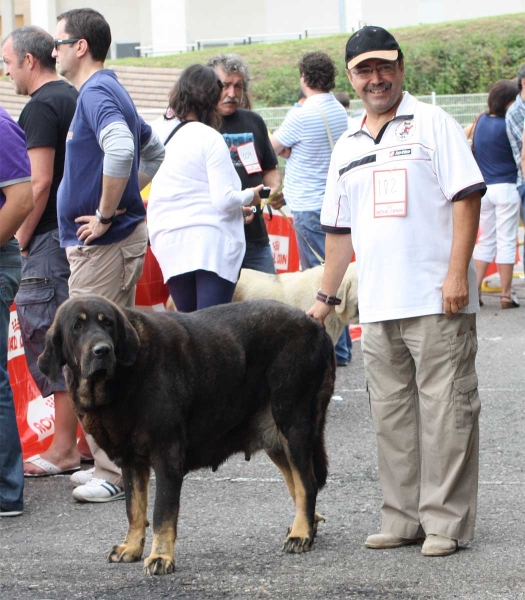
<point x="509" y="301"/>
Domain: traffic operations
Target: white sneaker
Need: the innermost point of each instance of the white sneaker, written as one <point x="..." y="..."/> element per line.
<point x="81" y="477"/>
<point x="98" y="490"/>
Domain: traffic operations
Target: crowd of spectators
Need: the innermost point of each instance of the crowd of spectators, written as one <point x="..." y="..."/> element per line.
<point x="73" y="223"/>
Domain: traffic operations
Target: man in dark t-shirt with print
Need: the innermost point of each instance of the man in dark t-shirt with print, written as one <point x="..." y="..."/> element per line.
<point x="45" y="269"/>
<point x="252" y="155"/>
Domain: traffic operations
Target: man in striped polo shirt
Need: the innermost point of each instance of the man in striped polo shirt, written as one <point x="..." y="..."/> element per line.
<point x="306" y="139"/>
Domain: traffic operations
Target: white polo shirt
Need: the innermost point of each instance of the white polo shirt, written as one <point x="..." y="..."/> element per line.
<point x="395" y="195"/>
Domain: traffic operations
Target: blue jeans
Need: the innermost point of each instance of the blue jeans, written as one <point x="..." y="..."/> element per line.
<point x="308" y="226"/>
<point x="258" y="256"/>
<point x="11" y="467"/>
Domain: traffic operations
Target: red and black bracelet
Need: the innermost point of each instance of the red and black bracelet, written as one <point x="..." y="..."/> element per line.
<point x="331" y="300"/>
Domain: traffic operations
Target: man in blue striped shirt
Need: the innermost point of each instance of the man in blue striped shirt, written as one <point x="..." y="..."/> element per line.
<point x="515" y="119"/>
<point x="306" y="139"/>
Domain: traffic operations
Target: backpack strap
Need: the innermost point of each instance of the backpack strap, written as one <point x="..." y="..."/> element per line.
<point x="181" y="124"/>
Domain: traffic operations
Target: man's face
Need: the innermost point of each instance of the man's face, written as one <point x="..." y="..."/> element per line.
<point x="380" y="91"/>
<point x="19" y="73"/>
<point x="65" y="54"/>
<point x="232" y="92"/>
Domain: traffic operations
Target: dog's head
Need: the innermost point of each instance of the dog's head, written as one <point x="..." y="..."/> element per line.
<point x="348" y="311"/>
<point x="90" y="335"/>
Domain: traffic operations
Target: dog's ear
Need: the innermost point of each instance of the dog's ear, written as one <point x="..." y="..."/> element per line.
<point x="127" y="342"/>
<point x="51" y="361"/>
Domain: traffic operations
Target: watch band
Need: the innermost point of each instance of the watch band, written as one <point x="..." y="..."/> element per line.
<point x="330" y="300"/>
<point x="104" y="220"/>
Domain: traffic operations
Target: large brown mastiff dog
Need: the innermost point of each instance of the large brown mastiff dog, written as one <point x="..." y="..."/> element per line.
<point x="178" y="392"/>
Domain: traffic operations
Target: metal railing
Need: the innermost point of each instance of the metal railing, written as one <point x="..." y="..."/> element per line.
<point x="463" y="107"/>
<point x="254" y="38"/>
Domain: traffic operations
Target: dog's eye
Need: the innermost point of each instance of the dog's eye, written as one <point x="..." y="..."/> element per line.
<point x="78" y="325"/>
<point x="108" y="323"/>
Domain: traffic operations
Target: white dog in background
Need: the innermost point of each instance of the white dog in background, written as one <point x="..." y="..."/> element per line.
<point x="299" y="289"/>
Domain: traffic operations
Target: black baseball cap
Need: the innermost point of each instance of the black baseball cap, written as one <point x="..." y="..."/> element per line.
<point x="370" y="42"/>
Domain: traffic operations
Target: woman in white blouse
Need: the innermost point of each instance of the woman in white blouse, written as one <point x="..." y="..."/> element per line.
<point x="195" y="207"/>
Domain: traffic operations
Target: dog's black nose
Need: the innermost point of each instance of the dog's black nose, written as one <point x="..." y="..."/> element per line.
<point x="101" y="350"/>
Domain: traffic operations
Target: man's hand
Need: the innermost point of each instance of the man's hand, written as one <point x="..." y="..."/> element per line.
<point x="285" y="153"/>
<point x="248" y="214"/>
<point x="256" y="198"/>
<point x="93" y="229"/>
<point x="455" y="294"/>
<point x="319" y="311"/>
<point x="277" y="201"/>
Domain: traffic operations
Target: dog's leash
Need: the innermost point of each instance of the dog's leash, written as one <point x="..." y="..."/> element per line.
<point x="290" y="222"/>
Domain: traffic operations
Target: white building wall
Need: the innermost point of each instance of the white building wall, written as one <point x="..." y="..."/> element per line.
<point x="209" y="19"/>
<point x="43" y="14"/>
<point x="122" y="16"/>
<point x="416" y="12"/>
<point x="168" y="23"/>
<point x="284" y="16"/>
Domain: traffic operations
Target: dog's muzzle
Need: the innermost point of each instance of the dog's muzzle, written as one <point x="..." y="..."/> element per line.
<point x="98" y="361"/>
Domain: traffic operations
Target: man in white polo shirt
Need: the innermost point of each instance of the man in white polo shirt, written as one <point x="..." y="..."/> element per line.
<point x="404" y="192"/>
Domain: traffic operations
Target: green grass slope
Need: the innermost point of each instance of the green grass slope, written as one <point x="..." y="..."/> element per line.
<point x="460" y="57"/>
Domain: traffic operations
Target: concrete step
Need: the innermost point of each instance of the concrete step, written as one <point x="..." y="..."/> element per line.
<point x="148" y="87"/>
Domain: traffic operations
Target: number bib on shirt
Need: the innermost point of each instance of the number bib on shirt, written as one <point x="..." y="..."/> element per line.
<point x="248" y="157"/>
<point x="390" y="193"/>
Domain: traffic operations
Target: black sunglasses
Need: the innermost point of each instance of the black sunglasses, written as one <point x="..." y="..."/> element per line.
<point x="69" y="41"/>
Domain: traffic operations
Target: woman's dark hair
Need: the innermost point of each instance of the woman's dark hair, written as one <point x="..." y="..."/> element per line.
<point x="501" y="94"/>
<point x="197" y="90"/>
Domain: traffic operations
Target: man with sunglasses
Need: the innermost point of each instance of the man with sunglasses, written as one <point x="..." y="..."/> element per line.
<point x="100" y="210"/>
<point x="404" y="191"/>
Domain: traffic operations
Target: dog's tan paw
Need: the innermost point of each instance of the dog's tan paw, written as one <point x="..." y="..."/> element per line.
<point x="125" y="553"/>
<point x="159" y="565"/>
<point x="296" y="545"/>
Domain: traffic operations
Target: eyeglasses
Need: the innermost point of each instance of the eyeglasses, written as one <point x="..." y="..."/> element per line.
<point x="68" y="41"/>
<point x="366" y="72"/>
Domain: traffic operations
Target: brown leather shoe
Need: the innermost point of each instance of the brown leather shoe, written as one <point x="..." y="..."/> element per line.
<point x="439" y="545"/>
<point x="380" y="541"/>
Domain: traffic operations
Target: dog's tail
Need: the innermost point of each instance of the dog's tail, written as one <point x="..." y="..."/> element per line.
<point x="320" y="461"/>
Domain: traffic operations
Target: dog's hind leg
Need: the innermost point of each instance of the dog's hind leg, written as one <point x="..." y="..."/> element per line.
<point x="278" y="457"/>
<point x="169" y="477"/>
<point x="300" y="474"/>
<point x="136" y="480"/>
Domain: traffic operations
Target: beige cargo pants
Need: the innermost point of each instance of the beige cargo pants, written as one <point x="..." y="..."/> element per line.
<point x="424" y="402"/>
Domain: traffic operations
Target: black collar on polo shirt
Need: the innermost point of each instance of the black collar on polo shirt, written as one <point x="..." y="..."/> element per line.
<point x="377" y="140"/>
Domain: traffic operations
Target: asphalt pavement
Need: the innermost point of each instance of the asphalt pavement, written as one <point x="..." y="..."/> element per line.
<point x="233" y="522"/>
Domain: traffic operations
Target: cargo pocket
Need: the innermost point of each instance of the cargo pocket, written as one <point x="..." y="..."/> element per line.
<point x="463" y="350"/>
<point x="132" y="263"/>
<point x="36" y="307"/>
<point x="467" y="404"/>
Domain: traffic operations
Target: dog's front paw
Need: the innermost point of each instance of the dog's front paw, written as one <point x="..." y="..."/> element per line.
<point x="125" y="553"/>
<point x="159" y="565"/>
<point x="296" y="545"/>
